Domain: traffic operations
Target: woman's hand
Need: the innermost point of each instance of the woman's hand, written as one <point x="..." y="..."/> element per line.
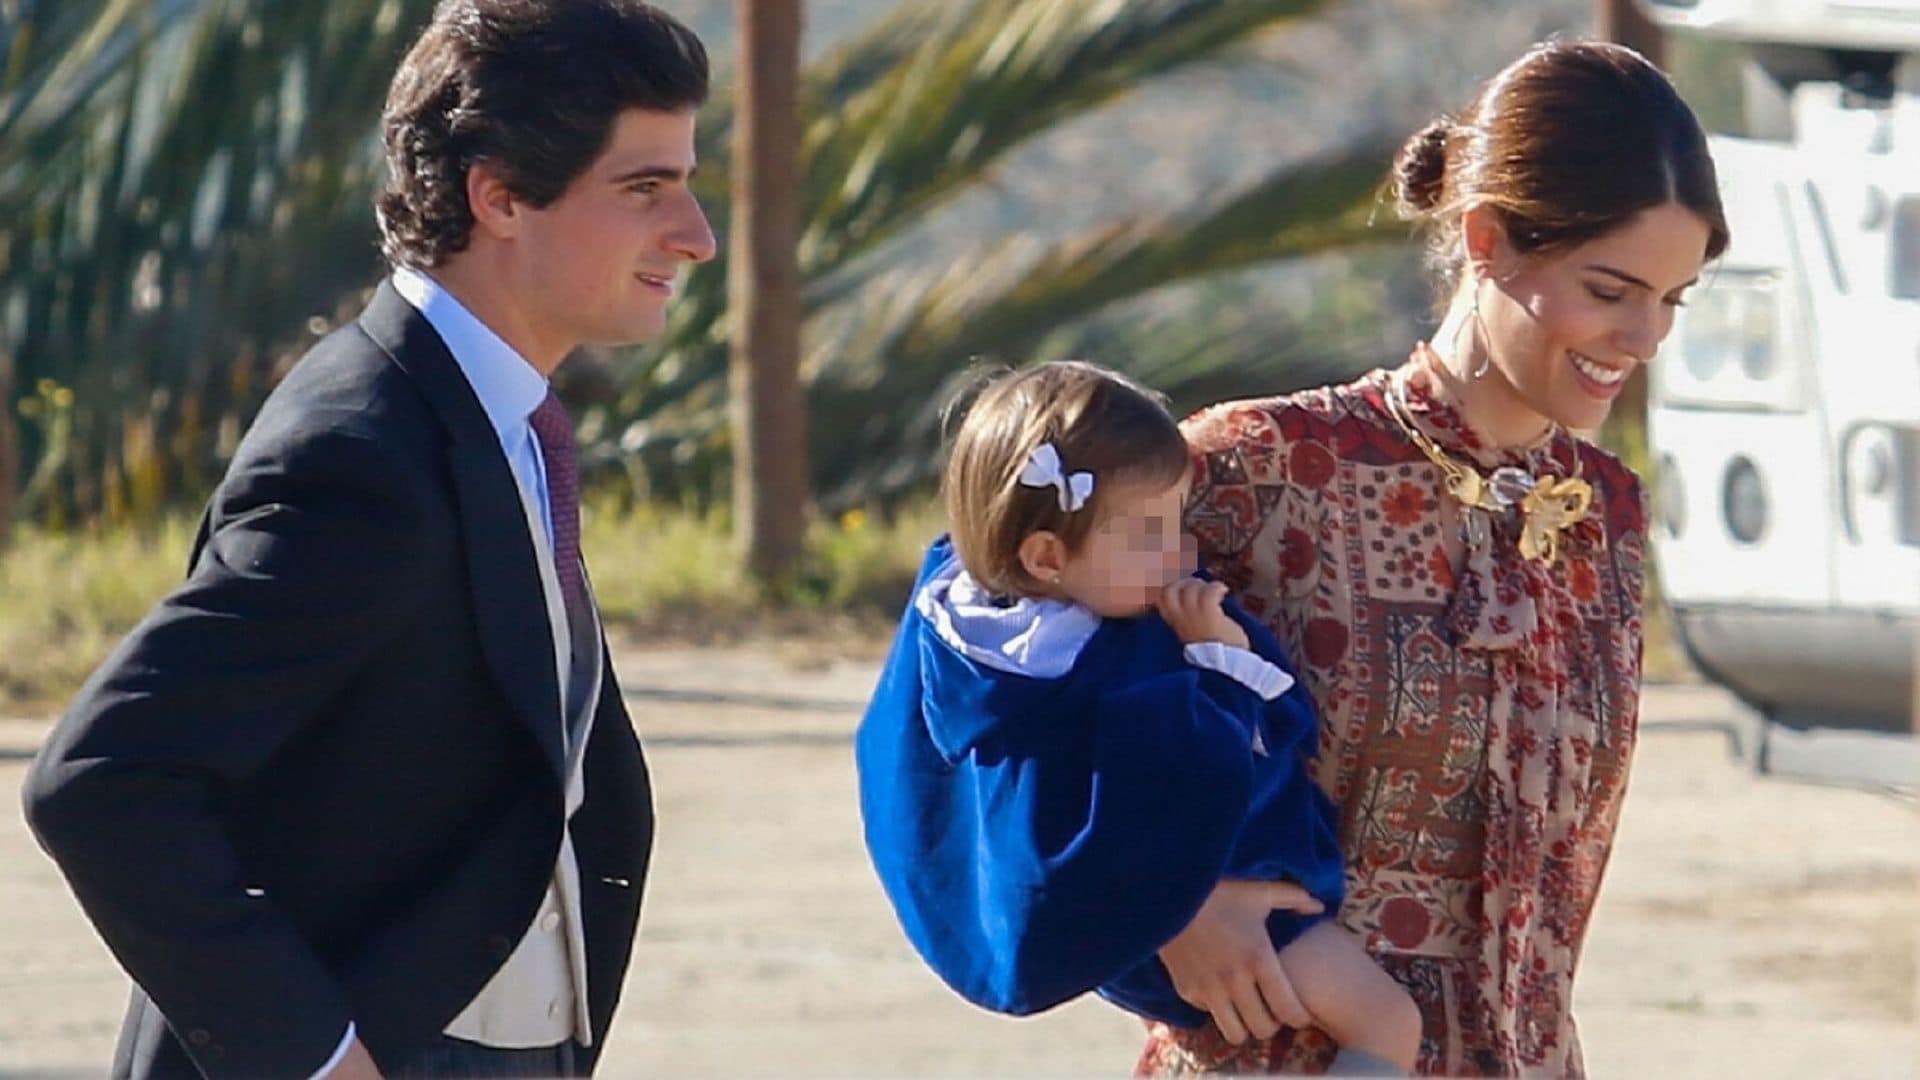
<point x="1224" y="962"/>
<point x="1192" y="608"/>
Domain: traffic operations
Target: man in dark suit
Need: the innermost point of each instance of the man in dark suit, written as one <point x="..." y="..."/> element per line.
<point x="361" y="797"/>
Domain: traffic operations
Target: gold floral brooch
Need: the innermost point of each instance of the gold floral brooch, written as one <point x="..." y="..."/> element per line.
<point x="1548" y="505"/>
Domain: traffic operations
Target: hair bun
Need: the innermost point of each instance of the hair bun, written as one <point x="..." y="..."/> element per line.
<point x="1420" y="170"/>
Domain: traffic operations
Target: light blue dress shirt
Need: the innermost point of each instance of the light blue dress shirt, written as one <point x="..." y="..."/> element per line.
<point x="508" y="385"/>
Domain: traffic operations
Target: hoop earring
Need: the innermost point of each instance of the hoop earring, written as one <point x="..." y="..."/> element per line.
<point x="1479" y="336"/>
<point x="1479" y="333"/>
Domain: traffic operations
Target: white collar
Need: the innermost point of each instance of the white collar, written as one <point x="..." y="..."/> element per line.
<point x="1037" y="638"/>
<point x="508" y="386"/>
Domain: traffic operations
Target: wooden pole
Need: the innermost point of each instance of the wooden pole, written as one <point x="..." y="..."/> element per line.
<point x="9" y="453"/>
<point x="1913" y="701"/>
<point x="770" y="484"/>
<point x="1622" y="21"/>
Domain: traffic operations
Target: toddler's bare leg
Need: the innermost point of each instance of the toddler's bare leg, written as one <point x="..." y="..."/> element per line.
<point x="1349" y="996"/>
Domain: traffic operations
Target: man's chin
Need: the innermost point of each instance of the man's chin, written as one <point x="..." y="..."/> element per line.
<point x="632" y="332"/>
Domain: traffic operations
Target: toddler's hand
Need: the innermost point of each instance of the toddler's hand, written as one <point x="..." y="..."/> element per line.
<point x="1192" y="608"/>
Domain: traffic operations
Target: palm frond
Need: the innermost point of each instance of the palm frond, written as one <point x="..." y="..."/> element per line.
<point x="985" y="77"/>
<point x="979" y="309"/>
<point x="1014" y="69"/>
<point x="183" y="184"/>
<point x="882" y="367"/>
<point x="184" y="187"/>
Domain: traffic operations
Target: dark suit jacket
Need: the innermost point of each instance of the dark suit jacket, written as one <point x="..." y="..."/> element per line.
<point x="321" y="782"/>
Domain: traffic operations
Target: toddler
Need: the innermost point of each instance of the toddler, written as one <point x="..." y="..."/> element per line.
<point x="1074" y="739"/>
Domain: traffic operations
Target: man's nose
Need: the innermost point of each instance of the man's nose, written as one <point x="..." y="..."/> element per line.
<point x="692" y="239"/>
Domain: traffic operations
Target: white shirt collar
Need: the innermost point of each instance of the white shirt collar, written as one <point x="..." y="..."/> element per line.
<point x="1037" y="638"/>
<point x="509" y="387"/>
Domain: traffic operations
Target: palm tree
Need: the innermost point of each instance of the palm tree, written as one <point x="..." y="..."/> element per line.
<point x="901" y="122"/>
<point x="184" y="191"/>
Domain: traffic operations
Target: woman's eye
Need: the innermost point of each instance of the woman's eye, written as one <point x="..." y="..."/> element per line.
<point x="1605" y="296"/>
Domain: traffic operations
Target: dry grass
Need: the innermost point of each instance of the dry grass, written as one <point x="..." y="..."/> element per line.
<point x="662" y="574"/>
<point x="658" y="573"/>
<point x="69" y="599"/>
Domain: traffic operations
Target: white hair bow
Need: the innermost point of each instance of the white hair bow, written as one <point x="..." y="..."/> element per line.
<point x="1043" y="469"/>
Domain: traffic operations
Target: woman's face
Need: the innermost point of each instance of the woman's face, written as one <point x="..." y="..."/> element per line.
<point x="1567" y="329"/>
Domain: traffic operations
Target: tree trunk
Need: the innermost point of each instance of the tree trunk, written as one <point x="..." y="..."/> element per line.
<point x="9" y="453"/>
<point x="770" y="492"/>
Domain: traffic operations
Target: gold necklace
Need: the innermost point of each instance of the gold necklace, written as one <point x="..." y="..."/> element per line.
<point x="1548" y="505"/>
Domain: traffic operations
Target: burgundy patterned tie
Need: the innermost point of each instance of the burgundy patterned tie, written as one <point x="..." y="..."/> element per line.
<point x="554" y="428"/>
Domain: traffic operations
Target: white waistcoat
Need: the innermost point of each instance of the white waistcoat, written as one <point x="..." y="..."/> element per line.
<point x="539" y="995"/>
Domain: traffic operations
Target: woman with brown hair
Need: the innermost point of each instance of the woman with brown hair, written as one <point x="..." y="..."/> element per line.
<point x="1459" y="577"/>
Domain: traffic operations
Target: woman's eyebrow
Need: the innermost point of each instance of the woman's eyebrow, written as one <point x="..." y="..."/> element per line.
<point x="1631" y="280"/>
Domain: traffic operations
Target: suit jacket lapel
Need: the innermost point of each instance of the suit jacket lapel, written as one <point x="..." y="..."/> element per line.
<point x="508" y="599"/>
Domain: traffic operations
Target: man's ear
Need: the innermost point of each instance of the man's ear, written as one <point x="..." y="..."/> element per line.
<point x="1043" y="555"/>
<point x="496" y="210"/>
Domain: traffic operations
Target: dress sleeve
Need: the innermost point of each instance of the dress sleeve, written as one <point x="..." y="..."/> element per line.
<point x="1222" y="508"/>
<point x="1269" y="519"/>
<point x="1247" y="507"/>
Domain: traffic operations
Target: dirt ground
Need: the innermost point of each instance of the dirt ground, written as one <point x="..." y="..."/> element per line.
<point x="1751" y="926"/>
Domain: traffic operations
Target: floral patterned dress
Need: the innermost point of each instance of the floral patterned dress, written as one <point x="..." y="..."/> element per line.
<point x="1478" y="709"/>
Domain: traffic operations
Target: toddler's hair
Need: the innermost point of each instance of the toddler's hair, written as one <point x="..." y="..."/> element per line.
<point x="1100" y="422"/>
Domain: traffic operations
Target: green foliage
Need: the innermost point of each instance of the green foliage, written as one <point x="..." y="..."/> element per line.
<point x="184" y="188"/>
<point x="899" y="123"/>
<point x="185" y="195"/>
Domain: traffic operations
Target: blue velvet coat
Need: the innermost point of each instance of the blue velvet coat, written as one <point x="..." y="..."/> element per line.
<point x="1042" y="837"/>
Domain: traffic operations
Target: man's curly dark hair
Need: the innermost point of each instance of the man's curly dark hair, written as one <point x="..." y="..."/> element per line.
<point x="532" y="87"/>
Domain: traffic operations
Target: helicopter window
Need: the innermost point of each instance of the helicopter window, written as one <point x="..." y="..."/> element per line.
<point x="1754" y="335"/>
<point x="1729" y="347"/>
<point x="1707" y="334"/>
<point x="1731" y="327"/>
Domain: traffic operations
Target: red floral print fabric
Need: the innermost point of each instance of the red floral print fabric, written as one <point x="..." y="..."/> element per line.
<point x="1478" y="709"/>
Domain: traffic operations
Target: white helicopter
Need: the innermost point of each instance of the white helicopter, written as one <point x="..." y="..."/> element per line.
<point x="1784" y="419"/>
